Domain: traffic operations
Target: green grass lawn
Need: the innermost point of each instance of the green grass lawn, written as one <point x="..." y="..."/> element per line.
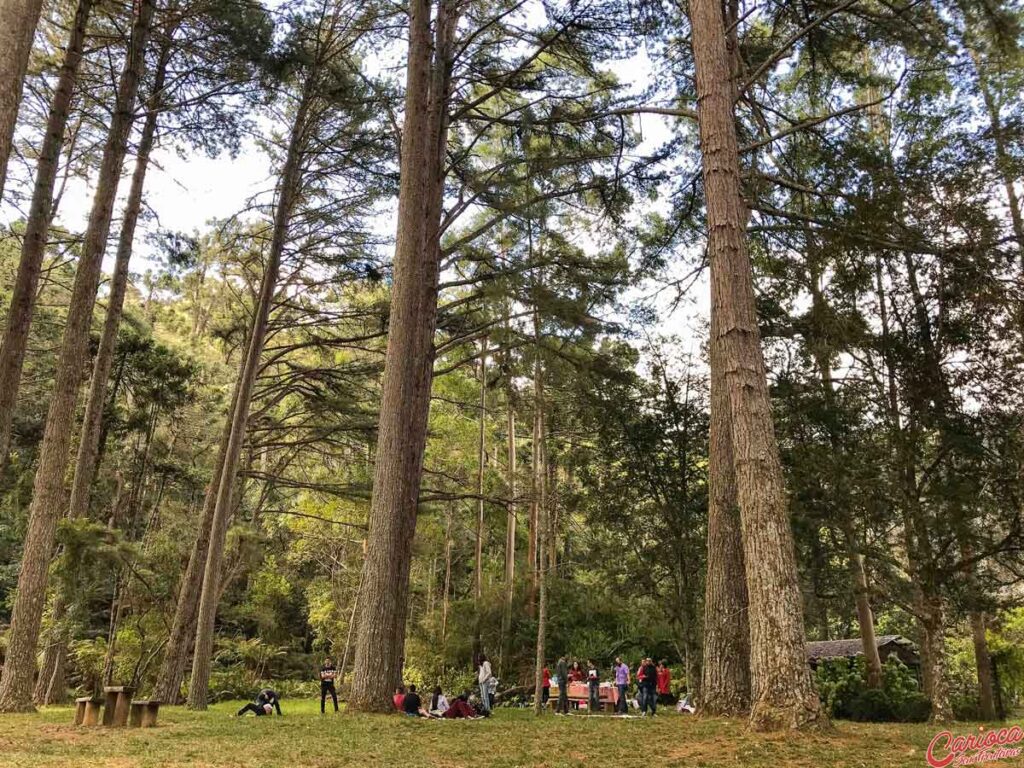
<point x="305" y="739"/>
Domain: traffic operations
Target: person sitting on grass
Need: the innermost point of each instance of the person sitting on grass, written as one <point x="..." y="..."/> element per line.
<point x="460" y="709"/>
<point x="438" y="702"/>
<point x="412" y="705"/>
<point x="266" y="702"/>
<point x="399" y="698"/>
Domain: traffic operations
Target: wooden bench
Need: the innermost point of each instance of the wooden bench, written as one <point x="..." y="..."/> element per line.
<point x="87" y="710"/>
<point x="119" y="699"/>
<point x="144" y="713"/>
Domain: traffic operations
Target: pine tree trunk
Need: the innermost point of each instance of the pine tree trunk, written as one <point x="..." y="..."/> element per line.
<point x="725" y="685"/>
<point x="183" y="627"/>
<point x="18" y="21"/>
<point x="478" y="563"/>
<point x="291" y="179"/>
<point x="544" y="534"/>
<point x="408" y="363"/>
<point x="782" y="693"/>
<point x="510" y="523"/>
<point x="865" y="619"/>
<point x="933" y="659"/>
<point x="49" y="493"/>
<point x="89" y="440"/>
<point x="983" y="663"/>
<point x="37" y="225"/>
<point x="537" y="477"/>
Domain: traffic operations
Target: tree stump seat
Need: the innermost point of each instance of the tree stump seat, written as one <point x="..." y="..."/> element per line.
<point x="119" y="699"/>
<point x="87" y="710"/>
<point x="144" y="713"/>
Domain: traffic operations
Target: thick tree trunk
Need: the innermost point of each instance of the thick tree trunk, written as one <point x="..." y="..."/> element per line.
<point x="725" y="685"/>
<point x="782" y="692"/>
<point x="983" y="664"/>
<point x="18" y="21"/>
<point x="49" y="493"/>
<point x="933" y="659"/>
<point x="89" y="440"/>
<point x="183" y="627"/>
<point x="408" y="363"/>
<point x="291" y="179"/>
<point x="37" y="225"/>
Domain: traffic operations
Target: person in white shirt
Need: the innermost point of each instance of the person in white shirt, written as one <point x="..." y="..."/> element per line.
<point x="438" y="702"/>
<point x="484" y="677"/>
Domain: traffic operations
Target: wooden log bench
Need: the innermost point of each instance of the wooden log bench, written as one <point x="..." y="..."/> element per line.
<point x="87" y="710"/>
<point x="119" y="699"/>
<point x="144" y="713"/>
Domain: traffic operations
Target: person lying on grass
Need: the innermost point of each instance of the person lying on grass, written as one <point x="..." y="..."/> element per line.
<point x="266" y="702"/>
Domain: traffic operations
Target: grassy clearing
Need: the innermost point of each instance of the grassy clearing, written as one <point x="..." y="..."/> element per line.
<point x="512" y="738"/>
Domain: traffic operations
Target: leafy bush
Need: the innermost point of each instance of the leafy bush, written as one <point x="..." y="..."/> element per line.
<point x="842" y="687"/>
<point x="839" y="682"/>
<point x="872" y="706"/>
<point x="915" y="708"/>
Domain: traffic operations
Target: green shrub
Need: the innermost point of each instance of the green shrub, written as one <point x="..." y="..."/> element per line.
<point x="872" y="705"/>
<point x="915" y="708"/>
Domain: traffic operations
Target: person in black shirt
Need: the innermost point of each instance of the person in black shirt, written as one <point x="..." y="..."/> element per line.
<point x="413" y="704"/>
<point x="649" y="692"/>
<point x="327" y="674"/>
<point x="267" y="701"/>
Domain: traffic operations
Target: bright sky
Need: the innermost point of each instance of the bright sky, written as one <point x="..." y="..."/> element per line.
<point x="185" y="193"/>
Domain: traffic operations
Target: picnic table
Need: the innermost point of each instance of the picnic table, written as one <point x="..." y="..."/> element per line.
<point x="580" y="693"/>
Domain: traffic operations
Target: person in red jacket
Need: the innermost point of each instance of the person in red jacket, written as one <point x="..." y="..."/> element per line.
<point x="664" y="683"/>
<point x="545" y="686"/>
<point x="399" y="698"/>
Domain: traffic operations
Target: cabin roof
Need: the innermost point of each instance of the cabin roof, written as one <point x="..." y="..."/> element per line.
<point x="831" y="649"/>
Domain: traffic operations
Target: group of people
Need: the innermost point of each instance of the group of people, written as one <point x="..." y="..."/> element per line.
<point x="409" y="703"/>
<point x="653" y="681"/>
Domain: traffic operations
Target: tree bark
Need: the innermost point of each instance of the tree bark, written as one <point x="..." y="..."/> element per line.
<point x="782" y="692"/>
<point x="89" y="441"/>
<point x="288" y="192"/>
<point x="537" y="473"/>
<point x="478" y="566"/>
<point x="48" y="496"/>
<point x="983" y="663"/>
<point x="408" y="363"/>
<point x="510" y="523"/>
<point x="725" y="685"/>
<point x="542" y="585"/>
<point x="183" y="627"/>
<point x="37" y="225"/>
<point x="18" y="21"/>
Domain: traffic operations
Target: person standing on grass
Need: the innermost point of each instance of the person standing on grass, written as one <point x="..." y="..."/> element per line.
<point x="484" y="676"/>
<point x="545" y="686"/>
<point x="562" y="708"/>
<point x="327" y="674"/>
<point x="594" y="685"/>
<point x="266" y="702"/>
<point x="640" y="690"/>
<point x="649" y="693"/>
<point x="621" y="684"/>
<point x="664" y="683"/>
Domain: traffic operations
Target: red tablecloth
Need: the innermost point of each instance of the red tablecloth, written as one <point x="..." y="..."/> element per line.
<point x="607" y="692"/>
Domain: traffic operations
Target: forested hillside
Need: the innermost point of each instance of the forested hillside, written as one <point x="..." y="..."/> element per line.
<point x="692" y="331"/>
